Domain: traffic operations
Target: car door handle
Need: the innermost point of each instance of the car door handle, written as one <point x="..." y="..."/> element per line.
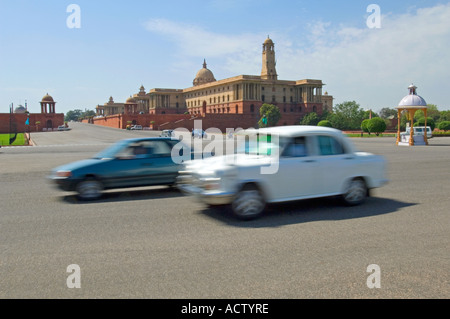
<point x="146" y="164"/>
<point x="309" y="161"/>
<point x="349" y="158"/>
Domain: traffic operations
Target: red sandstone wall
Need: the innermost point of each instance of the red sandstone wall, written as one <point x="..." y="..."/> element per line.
<point x="18" y="121"/>
<point x="247" y="118"/>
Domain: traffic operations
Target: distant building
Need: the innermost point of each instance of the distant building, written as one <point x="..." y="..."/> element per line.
<point x="47" y="120"/>
<point x="240" y="96"/>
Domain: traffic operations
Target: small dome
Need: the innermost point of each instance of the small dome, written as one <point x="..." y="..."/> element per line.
<point x="204" y="75"/>
<point x="412" y="99"/>
<point x="20" y="109"/>
<point x="47" y="98"/>
<point x="268" y="41"/>
<point x="130" y="100"/>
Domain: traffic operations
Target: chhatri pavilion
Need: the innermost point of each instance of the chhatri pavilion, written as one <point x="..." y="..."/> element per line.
<point x="412" y="103"/>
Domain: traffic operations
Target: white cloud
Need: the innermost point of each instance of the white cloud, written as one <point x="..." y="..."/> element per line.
<point x="374" y="66"/>
<point x="195" y="41"/>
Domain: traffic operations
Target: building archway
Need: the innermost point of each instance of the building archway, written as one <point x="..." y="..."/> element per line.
<point x="49" y="124"/>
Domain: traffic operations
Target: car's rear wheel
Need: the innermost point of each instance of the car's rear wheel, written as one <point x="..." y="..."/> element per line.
<point x="356" y="192"/>
<point x="89" y="189"/>
<point x="248" y="203"/>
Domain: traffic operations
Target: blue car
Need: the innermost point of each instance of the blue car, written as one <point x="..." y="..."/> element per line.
<point x="128" y="163"/>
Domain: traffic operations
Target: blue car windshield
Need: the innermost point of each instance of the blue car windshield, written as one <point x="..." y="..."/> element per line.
<point x="111" y="151"/>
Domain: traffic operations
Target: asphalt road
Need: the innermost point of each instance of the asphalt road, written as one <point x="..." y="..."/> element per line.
<point x="156" y="243"/>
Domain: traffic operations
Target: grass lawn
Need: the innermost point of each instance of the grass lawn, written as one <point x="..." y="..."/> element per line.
<point x="371" y="135"/>
<point x="20" y="140"/>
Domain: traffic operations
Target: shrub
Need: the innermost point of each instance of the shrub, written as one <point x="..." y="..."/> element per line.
<point x="364" y="126"/>
<point x="325" y="123"/>
<point x="376" y="125"/>
<point x="444" y="126"/>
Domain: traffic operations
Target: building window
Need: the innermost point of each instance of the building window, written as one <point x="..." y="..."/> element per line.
<point x="252" y="108"/>
<point x="314" y="109"/>
<point x="273" y="98"/>
<point x="284" y="99"/>
<point x="263" y="98"/>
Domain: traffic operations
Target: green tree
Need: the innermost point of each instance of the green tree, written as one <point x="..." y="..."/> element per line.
<point x="270" y="115"/>
<point x="88" y="113"/>
<point x="376" y="125"/>
<point x="77" y="115"/>
<point x="432" y="111"/>
<point x="444" y="126"/>
<point x="310" y="119"/>
<point x="444" y="116"/>
<point x="387" y="112"/>
<point x="347" y="116"/>
<point x="430" y="122"/>
<point x="73" y="115"/>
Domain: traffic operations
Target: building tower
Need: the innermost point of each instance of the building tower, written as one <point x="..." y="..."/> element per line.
<point x="268" y="71"/>
<point x="47" y="104"/>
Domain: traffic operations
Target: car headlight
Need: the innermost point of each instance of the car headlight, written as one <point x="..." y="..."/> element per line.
<point x="63" y="174"/>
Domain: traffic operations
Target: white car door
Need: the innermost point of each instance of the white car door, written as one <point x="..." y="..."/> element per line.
<point x="335" y="164"/>
<point x="296" y="176"/>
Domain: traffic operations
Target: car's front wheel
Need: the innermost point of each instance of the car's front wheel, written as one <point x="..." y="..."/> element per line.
<point x="248" y="203"/>
<point x="356" y="192"/>
<point x="89" y="189"/>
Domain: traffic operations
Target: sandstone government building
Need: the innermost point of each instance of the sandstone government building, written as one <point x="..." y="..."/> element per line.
<point x="229" y="103"/>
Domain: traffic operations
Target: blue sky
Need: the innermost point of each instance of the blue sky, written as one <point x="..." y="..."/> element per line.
<point x="122" y="45"/>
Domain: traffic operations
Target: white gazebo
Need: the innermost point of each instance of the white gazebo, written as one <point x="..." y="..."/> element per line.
<point x="412" y="103"/>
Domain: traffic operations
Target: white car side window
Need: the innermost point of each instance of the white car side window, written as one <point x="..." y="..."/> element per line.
<point x="296" y="148"/>
<point x="328" y="145"/>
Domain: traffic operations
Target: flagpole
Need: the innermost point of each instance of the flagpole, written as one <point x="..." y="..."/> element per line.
<point x="10" y="119"/>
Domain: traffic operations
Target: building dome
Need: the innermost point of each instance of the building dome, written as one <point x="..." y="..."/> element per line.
<point x="47" y="98"/>
<point x="204" y="76"/>
<point x="20" y="109"/>
<point x="412" y="99"/>
<point x="130" y="100"/>
<point x="268" y="41"/>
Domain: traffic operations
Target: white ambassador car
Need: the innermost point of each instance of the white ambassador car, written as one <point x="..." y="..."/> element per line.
<point x="282" y="164"/>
